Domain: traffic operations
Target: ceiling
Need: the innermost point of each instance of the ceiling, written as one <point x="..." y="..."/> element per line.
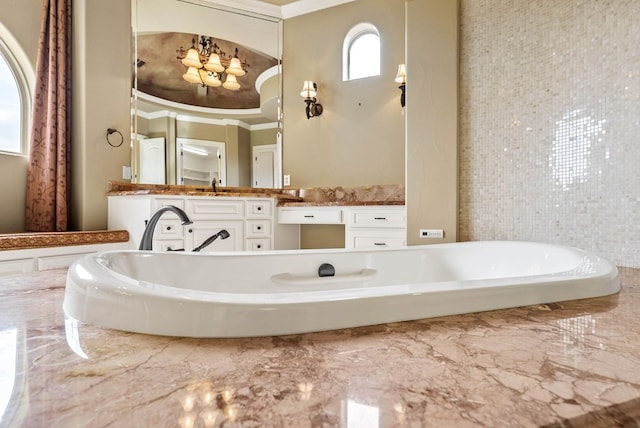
<point x="160" y="73"/>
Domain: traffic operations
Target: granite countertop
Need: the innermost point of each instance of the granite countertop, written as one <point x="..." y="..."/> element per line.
<point x="390" y="194"/>
<point x="567" y="364"/>
<point x="116" y="188"/>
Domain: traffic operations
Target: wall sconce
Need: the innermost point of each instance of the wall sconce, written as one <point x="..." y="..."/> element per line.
<point x="309" y="91"/>
<point x="401" y="78"/>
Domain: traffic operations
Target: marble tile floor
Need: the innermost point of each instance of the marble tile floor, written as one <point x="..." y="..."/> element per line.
<point x="566" y="364"/>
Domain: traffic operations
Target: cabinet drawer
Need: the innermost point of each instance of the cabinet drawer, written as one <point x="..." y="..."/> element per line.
<point x="169" y="229"/>
<point x="162" y="202"/>
<point x="203" y="209"/>
<point x="378" y="242"/>
<point x="314" y="215"/>
<point x="203" y="230"/>
<point x="378" y="218"/>
<point x="168" y="245"/>
<point x="259" y="209"/>
<point x="258" y="244"/>
<point x="16" y="267"/>
<point x="258" y="228"/>
<point x="384" y="238"/>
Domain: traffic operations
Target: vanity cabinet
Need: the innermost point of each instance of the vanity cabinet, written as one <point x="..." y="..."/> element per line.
<point x="379" y="226"/>
<point x="249" y="221"/>
<point x="376" y="227"/>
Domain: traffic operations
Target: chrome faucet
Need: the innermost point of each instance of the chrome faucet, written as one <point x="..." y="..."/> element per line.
<point x="147" y="236"/>
<point x="223" y="234"/>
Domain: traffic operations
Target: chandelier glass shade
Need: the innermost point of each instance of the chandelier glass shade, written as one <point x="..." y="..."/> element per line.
<point x="207" y="65"/>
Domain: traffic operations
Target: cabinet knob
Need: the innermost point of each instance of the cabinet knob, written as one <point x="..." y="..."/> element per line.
<point x="259" y="208"/>
<point x="379" y="218"/>
<point x="168" y="227"/>
<point x="259" y="246"/>
<point x="259" y="227"/>
<point x="381" y="244"/>
<point x="190" y="230"/>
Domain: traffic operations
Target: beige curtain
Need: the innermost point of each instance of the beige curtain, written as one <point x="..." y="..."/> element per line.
<point x="48" y="173"/>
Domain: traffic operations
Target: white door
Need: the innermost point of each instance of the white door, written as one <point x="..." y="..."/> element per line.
<point x="264" y="166"/>
<point x="152" y="161"/>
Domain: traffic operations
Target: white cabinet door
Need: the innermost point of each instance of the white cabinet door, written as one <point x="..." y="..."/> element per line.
<point x="200" y="231"/>
<point x="376" y="227"/>
<point x="309" y="215"/>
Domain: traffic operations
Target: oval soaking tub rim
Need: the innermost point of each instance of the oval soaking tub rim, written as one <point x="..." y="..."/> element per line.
<point x="118" y="290"/>
<point x="167" y="291"/>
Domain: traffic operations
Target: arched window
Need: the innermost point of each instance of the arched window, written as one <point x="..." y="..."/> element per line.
<point x="15" y="102"/>
<point x="361" y="52"/>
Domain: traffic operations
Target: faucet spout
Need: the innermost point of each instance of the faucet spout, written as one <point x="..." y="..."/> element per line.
<point x="223" y="234"/>
<point x="147" y="236"/>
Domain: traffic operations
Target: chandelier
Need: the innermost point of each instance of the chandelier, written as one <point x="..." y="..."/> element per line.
<point x="208" y="65"/>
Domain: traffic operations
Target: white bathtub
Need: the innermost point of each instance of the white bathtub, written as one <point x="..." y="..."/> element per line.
<point x="280" y="292"/>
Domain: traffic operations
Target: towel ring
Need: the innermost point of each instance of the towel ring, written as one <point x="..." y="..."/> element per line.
<point x="114" y="131"/>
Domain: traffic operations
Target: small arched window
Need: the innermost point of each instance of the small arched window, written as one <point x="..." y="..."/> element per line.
<point x="361" y="52"/>
<point x="15" y="102"/>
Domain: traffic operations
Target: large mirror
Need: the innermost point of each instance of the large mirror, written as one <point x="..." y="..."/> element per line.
<point x="215" y="120"/>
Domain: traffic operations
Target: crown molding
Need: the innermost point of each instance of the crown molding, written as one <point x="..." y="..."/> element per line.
<point x="251" y="6"/>
<point x="196" y="109"/>
<point x="302" y="7"/>
<point x="291" y="10"/>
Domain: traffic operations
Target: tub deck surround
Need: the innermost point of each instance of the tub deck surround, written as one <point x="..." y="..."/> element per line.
<point x="20" y="241"/>
<point x="575" y="363"/>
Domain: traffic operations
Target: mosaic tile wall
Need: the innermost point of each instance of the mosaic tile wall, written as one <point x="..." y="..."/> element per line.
<point x="550" y="123"/>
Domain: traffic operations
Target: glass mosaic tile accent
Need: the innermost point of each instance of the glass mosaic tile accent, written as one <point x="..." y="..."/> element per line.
<point x="550" y="124"/>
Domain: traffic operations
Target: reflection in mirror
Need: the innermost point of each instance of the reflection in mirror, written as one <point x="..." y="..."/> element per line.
<point x="233" y="115"/>
<point x="201" y="162"/>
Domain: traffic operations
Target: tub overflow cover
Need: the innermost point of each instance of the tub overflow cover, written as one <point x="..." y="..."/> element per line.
<point x="326" y="269"/>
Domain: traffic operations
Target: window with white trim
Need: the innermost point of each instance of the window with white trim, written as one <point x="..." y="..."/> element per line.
<point x="14" y="104"/>
<point x="361" y="52"/>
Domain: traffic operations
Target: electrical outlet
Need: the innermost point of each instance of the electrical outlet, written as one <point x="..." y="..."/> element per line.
<point x="432" y="233"/>
<point x="287" y="180"/>
<point x="126" y="172"/>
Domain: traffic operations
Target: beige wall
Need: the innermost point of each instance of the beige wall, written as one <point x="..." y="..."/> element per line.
<point x="101" y="96"/>
<point x="261" y="137"/>
<point x="359" y="139"/>
<point x="432" y="109"/>
<point x="13" y="176"/>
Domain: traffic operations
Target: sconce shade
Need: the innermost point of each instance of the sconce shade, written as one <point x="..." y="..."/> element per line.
<point x="210" y="79"/>
<point x="192" y="59"/>
<point x="214" y="63"/>
<point x="308" y="89"/>
<point x="231" y="83"/>
<point x="401" y="77"/>
<point x="309" y="92"/>
<point x="235" y="68"/>
<point x="192" y="75"/>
